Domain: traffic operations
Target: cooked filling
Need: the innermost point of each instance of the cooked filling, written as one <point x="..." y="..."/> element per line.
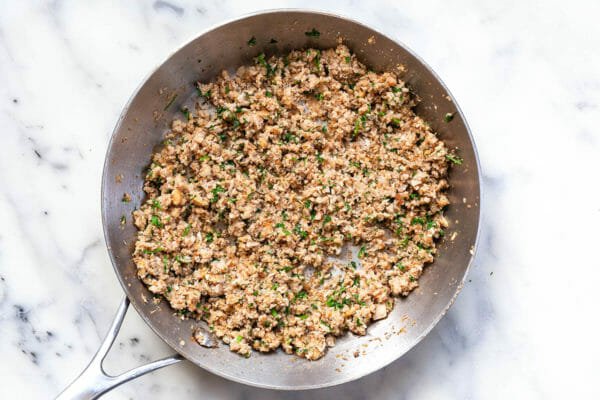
<point x="293" y="202"/>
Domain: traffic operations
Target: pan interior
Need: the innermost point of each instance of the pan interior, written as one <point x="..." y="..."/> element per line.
<point x="148" y="115"/>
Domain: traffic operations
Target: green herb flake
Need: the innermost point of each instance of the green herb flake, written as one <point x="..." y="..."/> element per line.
<point x="215" y="192"/>
<point x="209" y="236"/>
<point x="356" y="127"/>
<point x="400" y="266"/>
<point x="301" y="295"/>
<point x="262" y="61"/>
<point x="274" y="313"/>
<point x="303" y="316"/>
<point x="268" y="94"/>
<point x="418" y="220"/>
<point x="186" y="231"/>
<point x="252" y="41"/>
<point x="448" y="117"/>
<point x="362" y="252"/>
<point x="206" y="95"/>
<point x="348" y="59"/>
<point x="454" y="159"/>
<point x="186" y="112"/>
<point x="298" y="231"/>
<point x="155" y="220"/>
<point x="238" y="338"/>
<point x="313" y="33"/>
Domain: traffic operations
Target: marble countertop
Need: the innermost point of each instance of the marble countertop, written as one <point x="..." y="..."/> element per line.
<point x="527" y="76"/>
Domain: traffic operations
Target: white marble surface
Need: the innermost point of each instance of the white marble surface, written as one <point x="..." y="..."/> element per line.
<point x="527" y="75"/>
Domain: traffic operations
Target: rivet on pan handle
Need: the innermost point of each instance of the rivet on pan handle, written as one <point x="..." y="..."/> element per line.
<point x="93" y="382"/>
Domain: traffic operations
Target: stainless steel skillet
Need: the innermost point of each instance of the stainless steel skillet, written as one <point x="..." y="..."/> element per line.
<point x="140" y="129"/>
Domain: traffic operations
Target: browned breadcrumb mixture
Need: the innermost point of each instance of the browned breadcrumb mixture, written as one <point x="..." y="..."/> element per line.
<point x="279" y="171"/>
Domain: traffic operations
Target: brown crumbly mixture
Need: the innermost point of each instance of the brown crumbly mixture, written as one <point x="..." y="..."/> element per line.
<point x="249" y="204"/>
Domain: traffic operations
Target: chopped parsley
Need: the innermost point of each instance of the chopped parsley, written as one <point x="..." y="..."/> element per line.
<point x="331" y="302"/>
<point x="252" y="41"/>
<point x="262" y="61"/>
<point x="206" y="95"/>
<point x="356" y="127"/>
<point x="298" y="231"/>
<point x="362" y="252"/>
<point x="448" y="117"/>
<point x="301" y="295"/>
<point x="215" y="192"/>
<point x="313" y="33"/>
<point x="454" y="159"/>
<point x="186" y="112"/>
<point x="155" y="220"/>
<point x="325" y="324"/>
<point x="418" y="220"/>
<point x="209" y="237"/>
<point x="187" y="229"/>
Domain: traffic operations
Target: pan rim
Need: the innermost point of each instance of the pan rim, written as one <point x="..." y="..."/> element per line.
<point x="347" y="377"/>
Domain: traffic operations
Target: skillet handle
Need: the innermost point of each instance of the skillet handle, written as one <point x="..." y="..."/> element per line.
<point x="93" y="382"/>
